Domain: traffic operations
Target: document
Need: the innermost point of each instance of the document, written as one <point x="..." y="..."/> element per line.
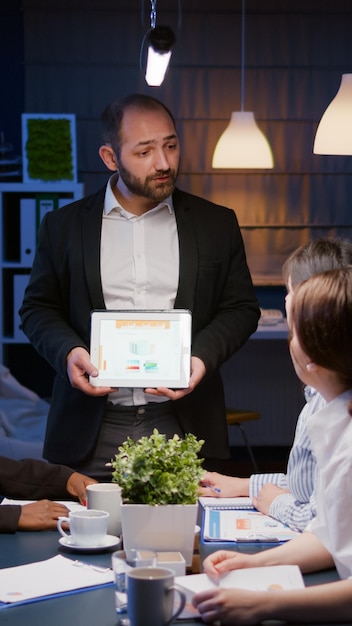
<point x="45" y="578"/>
<point x="70" y="504"/>
<point x="271" y="578"/>
<point x="244" y="525"/>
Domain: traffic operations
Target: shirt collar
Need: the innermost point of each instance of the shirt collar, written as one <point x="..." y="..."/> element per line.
<point x="110" y="202"/>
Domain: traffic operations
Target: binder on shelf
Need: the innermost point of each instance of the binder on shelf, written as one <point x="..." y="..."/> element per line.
<point x="44" y="204"/>
<point x="28" y="230"/>
<point x="20" y="282"/>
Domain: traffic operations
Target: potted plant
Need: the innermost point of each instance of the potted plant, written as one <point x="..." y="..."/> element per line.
<point x="159" y="480"/>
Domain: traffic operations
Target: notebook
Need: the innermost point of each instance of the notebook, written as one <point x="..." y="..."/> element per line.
<point x="243" y="525"/>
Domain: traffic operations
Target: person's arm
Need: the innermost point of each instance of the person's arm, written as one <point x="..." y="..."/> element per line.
<point x="257" y="482"/>
<point x="232" y="315"/>
<point x="197" y="373"/>
<point x="77" y="484"/>
<point x="46" y="309"/>
<point x="233" y="487"/>
<point x="41" y="515"/>
<point x="9" y="516"/>
<point x="330" y="602"/>
<point x="236" y="312"/>
<point x="306" y="551"/>
<point x="219" y="485"/>
<point x="287" y="509"/>
<point x="35" y="480"/>
<point x="79" y="368"/>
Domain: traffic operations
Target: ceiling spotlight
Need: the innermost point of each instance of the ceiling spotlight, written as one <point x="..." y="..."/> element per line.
<point x="161" y="40"/>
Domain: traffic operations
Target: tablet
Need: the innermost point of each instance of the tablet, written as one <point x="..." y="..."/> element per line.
<point x="141" y="348"/>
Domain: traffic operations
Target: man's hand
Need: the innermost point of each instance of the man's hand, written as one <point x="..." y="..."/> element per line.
<point x="79" y="368"/>
<point x="266" y="495"/>
<point x="197" y="373"/>
<point x="76" y="486"/>
<point x="41" y="515"/>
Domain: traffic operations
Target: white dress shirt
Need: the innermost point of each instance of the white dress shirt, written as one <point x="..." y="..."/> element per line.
<point x="330" y="431"/>
<point x="139" y="265"/>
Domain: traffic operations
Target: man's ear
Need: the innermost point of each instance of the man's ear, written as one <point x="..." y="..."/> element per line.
<point x="108" y="156"/>
<point x="311" y="367"/>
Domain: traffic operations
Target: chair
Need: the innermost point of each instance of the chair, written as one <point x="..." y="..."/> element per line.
<point x="236" y="417"/>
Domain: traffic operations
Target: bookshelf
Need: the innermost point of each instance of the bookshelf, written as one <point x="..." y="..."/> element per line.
<point x="22" y="206"/>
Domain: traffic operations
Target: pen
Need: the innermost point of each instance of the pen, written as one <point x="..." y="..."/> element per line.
<point x="258" y="537"/>
<point x="215" y="489"/>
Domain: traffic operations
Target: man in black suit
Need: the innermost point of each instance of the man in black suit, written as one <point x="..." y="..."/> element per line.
<point x="34" y="480"/>
<point x="138" y="244"/>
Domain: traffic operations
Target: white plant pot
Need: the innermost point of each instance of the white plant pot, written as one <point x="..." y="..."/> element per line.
<point x="164" y="528"/>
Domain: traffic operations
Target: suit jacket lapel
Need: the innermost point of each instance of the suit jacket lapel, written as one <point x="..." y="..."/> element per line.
<point x="91" y="239"/>
<point x="188" y="253"/>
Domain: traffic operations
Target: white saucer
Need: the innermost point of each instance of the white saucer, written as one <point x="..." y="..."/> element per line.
<point x="110" y="541"/>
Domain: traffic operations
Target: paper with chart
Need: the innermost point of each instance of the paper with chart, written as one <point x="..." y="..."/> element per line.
<point x="56" y="575"/>
<point x="141" y="349"/>
<point x="271" y="578"/>
<point x="244" y="526"/>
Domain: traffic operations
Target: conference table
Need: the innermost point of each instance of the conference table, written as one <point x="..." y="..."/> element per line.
<point x="94" y="607"/>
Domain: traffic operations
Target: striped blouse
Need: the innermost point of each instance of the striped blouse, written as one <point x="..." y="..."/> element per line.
<point x="297" y="507"/>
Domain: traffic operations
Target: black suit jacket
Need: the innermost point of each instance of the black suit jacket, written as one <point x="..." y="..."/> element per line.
<point x="30" y="480"/>
<point x="65" y="286"/>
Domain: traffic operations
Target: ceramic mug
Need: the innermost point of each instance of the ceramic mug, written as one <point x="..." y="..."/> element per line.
<point x="87" y="528"/>
<point x="121" y="562"/>
<point x="106" y="497"/>
<point x="150" y="596"/>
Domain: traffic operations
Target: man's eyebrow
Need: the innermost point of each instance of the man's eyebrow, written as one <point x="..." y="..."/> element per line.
<point x="147" y="142"/>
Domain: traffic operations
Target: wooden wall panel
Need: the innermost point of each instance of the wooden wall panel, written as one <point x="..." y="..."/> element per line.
<point x="79" y="55"/>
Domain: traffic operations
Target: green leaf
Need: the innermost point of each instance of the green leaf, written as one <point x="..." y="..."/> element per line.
<point x="155" y="470"/>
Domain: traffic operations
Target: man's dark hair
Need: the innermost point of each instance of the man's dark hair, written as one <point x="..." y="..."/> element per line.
<point x="112" y="116"/>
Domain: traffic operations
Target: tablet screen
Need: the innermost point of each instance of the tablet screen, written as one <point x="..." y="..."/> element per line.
<point x="141" y="348"/>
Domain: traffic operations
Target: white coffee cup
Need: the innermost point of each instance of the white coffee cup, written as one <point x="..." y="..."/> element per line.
<point x="150" y="596"/>
<point x="87" y="528"/>
<point x="106" y="497"/>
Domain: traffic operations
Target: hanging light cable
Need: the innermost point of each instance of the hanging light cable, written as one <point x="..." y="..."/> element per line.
<point x="334" y="133"/>
<point x="242" y="144"/>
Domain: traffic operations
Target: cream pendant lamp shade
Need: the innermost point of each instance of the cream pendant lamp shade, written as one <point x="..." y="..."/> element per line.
<point x="242" y="144"/>
<point x="334" y="133"/>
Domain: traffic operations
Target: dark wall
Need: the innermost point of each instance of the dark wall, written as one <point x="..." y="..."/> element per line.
<point x="74" y="56"/>
<point x="11" y="72"/>
<point x="80" y="54"/>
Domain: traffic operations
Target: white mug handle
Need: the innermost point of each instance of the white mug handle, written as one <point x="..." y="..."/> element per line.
<point x="59" y="527"/>
<point x="182" y="595"/>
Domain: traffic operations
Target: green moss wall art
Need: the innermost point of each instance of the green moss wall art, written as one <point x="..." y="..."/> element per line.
<point x="49" y="148"/>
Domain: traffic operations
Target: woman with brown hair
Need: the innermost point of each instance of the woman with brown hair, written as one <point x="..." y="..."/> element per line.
<point x="321" y="350"/>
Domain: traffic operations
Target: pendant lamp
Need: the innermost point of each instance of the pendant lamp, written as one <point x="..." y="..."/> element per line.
<point x="160" y="40"/>
<point x="242" y="144"/>
<point x="334" y="133"/>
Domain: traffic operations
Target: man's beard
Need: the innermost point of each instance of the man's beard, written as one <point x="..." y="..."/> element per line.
<point x="156" y="192"/>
